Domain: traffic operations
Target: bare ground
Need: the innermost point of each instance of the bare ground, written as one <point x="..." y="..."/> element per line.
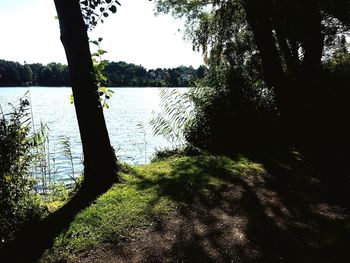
<point x="279" y="216"/>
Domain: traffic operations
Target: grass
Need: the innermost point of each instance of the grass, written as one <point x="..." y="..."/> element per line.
<point x="150" y="192"/>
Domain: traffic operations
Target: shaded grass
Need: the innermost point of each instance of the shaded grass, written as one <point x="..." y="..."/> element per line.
<point x="149" y="192"/>
<point x="188" y="179"/>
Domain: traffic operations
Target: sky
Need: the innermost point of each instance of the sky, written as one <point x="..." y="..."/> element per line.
<point x="29" y="32"/>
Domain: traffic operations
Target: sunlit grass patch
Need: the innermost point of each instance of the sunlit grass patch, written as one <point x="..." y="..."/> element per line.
<point x="245" y="166"/>
<point x="148" y="192"/>
<point x="115" y="214"/>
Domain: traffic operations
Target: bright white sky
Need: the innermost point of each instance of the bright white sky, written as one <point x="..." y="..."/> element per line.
<point x="30" y="33"/>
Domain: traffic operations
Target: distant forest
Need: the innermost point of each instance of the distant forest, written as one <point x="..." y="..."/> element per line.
<point x="119" y="74"/>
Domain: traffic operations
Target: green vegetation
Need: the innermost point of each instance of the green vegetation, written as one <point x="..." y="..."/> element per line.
<point x="148" y="192"/>
<point x="14" y="74"/>
<point x="176" y="112"/>
<point x="118" y="74"/>
<point x="278" y="74"/>
<point x="272" y="68"/>
<point x="17" y="202"/>
<point x="27" y="164"/>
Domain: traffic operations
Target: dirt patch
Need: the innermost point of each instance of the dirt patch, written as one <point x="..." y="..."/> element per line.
<point x="256" y="218"/>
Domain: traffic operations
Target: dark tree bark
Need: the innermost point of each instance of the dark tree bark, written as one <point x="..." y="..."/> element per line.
<point x="290" y="61"/>
<point x="292" y="91"/>
<point x="99" y="158"/>
<point x="295" y="51"/>
<point x="259" y="18"/>
<point x="313" y="39"/>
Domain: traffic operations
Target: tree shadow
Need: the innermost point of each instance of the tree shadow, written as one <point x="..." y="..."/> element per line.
<point x="36" y="236"/>
<point x="284" y="214"/>
<point x="189" y="180"/>
<point x="312" y="183"/>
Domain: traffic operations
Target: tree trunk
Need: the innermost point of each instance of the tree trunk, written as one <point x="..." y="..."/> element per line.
<point x="259" y="18"/>
<point x="289" y="60"/>
<point x="99" y="158"/>
<point x="313" y="40"/>
<point x="292" y="93"/>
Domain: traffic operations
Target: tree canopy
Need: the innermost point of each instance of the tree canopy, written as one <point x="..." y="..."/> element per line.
<point x="268" y="55"/>
<point x="119" y="74"/>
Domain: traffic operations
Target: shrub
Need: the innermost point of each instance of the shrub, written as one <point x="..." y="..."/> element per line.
<point x="231" y="108"/>
<point x="17" y="202"/>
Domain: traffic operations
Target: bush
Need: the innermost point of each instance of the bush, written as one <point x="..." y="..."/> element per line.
<point x="17" y="202"/>
<point x="231" y="108"/>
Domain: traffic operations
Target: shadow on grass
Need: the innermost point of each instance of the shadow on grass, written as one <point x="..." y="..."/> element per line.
<point x="236" y="211"/>
<point x="37" y="236"/>
<point x="313" y="182"/>
<point x="274" y="208"/>
<point x="189" y="179"/>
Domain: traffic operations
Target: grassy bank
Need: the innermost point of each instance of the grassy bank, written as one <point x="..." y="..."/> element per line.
<point x="149" y="192"/>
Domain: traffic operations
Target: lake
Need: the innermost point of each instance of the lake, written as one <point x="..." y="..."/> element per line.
<point x="129" y="107"/>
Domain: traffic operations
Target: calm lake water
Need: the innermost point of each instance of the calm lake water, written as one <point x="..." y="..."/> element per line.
<point x="129" y="107"/>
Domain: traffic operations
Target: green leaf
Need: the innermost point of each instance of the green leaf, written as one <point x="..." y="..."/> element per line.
<point x="101" y="51"/>
<point x="71" y="99"/>
<point x="113" y="9"/>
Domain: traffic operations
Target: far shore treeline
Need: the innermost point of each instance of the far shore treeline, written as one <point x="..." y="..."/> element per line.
<point x="119" y="74"/>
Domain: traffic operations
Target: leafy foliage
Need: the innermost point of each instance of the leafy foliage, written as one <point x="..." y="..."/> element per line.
<point x="264" y="69"/>
<point x="112" y="74"/>
<point x="232" y="102"/>
<point x="15" y="74"/>
<point x="233" y="109"/>
<point x="17" y="203"/>
<point x="101" y="80"/>
<point x="96" y="10"/>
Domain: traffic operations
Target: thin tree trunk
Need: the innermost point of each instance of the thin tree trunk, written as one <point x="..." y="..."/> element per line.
<point x="286" y="51"/>
<point x="295" y="51"/>
<point x="99" y="158"/>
